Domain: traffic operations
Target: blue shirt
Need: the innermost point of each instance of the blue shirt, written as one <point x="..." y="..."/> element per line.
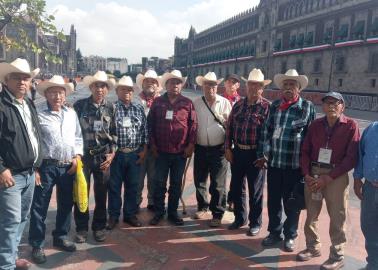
<point x="367" y="166"/>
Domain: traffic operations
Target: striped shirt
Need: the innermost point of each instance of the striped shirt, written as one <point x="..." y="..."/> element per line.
<point x="283" y="133"/>
<point x="131" y="125"/>
<point x="245" y="122"/>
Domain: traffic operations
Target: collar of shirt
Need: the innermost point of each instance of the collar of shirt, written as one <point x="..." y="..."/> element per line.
<point x="179" y="97"/>
<point x="13" y="98"/>
<point x="90" y="101"/>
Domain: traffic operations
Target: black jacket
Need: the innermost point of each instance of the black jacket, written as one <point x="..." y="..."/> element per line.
<point x="16" y="152"/>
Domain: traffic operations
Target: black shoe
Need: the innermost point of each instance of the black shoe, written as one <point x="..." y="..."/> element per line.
<point x="112" y="222"/>
<point x="81" y="237"/>
<point x="271" y="240"/>
<point x="235" y="225"/>
<point x="151" y="207"/>
<point x="64" y="244"/>
<point x="38" y="255"/>
<point x="156" y="219"/>
<point x="99" y="235"/>
<point x="253" y="231"/>
<point x="176" y="220"/>
<point x="133" y="221"/>
<point x="289" y="244"/>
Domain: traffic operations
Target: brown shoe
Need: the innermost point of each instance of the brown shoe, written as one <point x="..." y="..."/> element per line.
<point x="215" y="222"/>
<point x="307" y="254"/>
<point x="22" y="264"/>
<point x="332" y="264"/>
<point x="112" y="222"/>
<point x="133" y="221"/>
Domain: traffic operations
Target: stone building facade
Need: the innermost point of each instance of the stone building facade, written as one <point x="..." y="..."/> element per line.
<point x="333" y="42"/>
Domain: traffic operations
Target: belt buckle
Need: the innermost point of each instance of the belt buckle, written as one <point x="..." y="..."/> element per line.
<point x="91" y="152"/>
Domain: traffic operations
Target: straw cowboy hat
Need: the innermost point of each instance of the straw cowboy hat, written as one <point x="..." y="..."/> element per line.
<point x="209" y="77"/>
<point x="256" y="75"/>
<point x="149" y="74"/>
<point x="291" y="74"/>
<point x="56" y="80"/>
<point x="174" y="74"/>
<point x="100" y="76"/>
<point x="125" y="81"/>
<point x="17" y="66"/>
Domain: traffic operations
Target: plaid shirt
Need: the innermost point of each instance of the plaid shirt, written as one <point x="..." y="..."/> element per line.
<point x="88" y="113"/>
<point x="245" y="122"/>
<point x="136" y="134"/>
<point x="172" y="136"/>
<point x="283" y="151"/>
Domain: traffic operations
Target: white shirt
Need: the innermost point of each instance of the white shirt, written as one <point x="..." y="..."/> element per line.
<point x="61" y="134"/>
<point x="24" y="110"/>
<point x="210" y="132"/>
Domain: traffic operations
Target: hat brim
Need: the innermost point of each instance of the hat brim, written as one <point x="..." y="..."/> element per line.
<point x="169" y="76"/>
<point x="264" y="82"/>
<point x="140" y="78"/>
<point x="43" y="86"/>
<point x="6" y="68"/>
<point x="200" y="80"/>
<point x="280" y="78"/>
<point x="88" y="80"/>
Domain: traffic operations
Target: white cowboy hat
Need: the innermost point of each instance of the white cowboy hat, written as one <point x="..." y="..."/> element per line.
<point x="149" y="74"/>
<point x="100" y="76"/>
<point x="55" y="80"/>
<point x="174" y="74"/>
<point x="209" y="77"/>
<point x="291" y="74"/>
<point x="125" y="81"/>
<point x="17" y="66"/>
<point x="256" y="75"/>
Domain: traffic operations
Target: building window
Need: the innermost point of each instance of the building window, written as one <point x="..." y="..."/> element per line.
<point x="373" y="62"/>
<point x="373" y="83"/>
<point x="283" y="67"/>
<point x="264" y="45"/>
<point x="359" y="30"/>
<point x="316" y="82"/>
<point x="342" y="34"/>
<point x="340" y="83"/>
<point x="299" y="66"/>
<point x="317" y="65"/>
<point x="340" y="63"/>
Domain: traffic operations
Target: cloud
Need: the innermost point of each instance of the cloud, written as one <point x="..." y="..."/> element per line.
<point x="119" y="30"/>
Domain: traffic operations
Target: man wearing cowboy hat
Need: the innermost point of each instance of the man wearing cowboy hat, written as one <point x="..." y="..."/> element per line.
<point x="149" y="84"/>
<point x="243" y="132"/>
<point x="329" y="152"/>
<point x="280" y="144"/>
<point x="20" y="154"/>
<point x="96" y="117"/>
<point x="62" y="145"/>
<point x="131" y="127"/>
<point x="173" y="130"/>
<point x="212" y="113"/>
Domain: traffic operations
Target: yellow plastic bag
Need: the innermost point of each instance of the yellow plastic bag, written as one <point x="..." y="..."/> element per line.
<point x="80" y="191"/>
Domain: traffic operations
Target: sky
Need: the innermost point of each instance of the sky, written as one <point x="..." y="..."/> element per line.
<point x="133" y="29"/>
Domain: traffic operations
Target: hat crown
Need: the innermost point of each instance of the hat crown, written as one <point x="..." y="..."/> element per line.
<point x="57" y="79"/>
<point x="256" y="75"/>
<point x="21" y="64"/>
<point x="292" y="72"/>
<point x="100" y="76"/>
<point x="150" y="74"/>
<point x="126" y="81"/>
<point x="210" y="76"/>
<point x="176" y="73"/>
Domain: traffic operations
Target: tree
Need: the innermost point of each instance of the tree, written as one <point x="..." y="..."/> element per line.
<point x="23" y="12"/>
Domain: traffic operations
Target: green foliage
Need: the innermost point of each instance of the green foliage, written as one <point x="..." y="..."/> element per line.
<point x="24" y="12"/>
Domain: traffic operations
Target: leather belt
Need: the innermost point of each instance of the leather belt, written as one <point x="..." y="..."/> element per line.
<point x="127" y="150"/>
<point x="210" y="146"/>
<point x="246" y="147"/>
<point x="322" y="165"/>
<point x="57" y="163"/>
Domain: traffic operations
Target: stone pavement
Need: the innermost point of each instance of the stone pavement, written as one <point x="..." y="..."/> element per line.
<point x="195" y="245"/>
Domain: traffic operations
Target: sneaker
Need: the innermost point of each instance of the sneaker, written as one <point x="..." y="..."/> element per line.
<point x="99" y="235"/>
<point x="81" y="237"/>
<point x="200" y="214"/>
<point x="307" y="254"/>
<point x="271" y="240"/>
<point x="64" y="244"/>
<point x="289" y="244"/>
<point x="332" y="264"/>
<point x="253" y="231"/>
<point x="38" y="255"/>
<point x="215" y="222"/>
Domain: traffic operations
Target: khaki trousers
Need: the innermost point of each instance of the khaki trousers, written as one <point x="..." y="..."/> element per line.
<point x="335" y="194"/>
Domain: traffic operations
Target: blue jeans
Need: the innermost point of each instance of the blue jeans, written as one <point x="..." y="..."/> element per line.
<point x="15" y="205"/>
<point x="147" y="168"/>
<point x="369" y="221"/>
<point x="174" y="165"/>
<point x="124" y="170"/>
<point x="51" y="176"/>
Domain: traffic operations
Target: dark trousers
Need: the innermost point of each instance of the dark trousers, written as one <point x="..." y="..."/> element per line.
<point x="100" y="188"/>
<point x="280" y="184"/>
<point x="210" y="160"/>
<point x="51" y="176"/>
<point x="124" y="170"/>
<point x="241" y="168"/>
<point x="174" y="166"/>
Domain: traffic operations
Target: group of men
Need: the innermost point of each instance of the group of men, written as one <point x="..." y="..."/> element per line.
<point x="153" y="135"/>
